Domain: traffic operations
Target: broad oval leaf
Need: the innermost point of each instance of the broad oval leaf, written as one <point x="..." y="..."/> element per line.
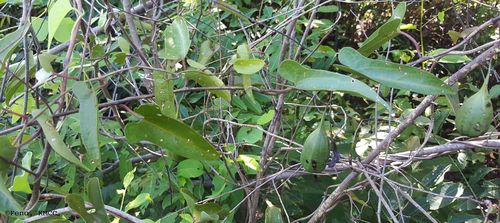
<point x="88" y="122"/>
<point x="170" y="134"/>
<point x="209" y="80"/>
<point x="315" y="80"/>
<point x="57" y="12"/>
<point x="177" y="40"/>
<point x="383" y="34"/>
<point x="190" y="168"/>
<point x="394" y="75"/>
<point x="54" y="139"/>
<point x="248" y="66"/>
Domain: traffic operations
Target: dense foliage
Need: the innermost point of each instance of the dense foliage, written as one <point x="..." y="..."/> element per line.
<point x="249" y="111"/>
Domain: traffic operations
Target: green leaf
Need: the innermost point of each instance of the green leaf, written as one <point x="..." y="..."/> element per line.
<point x="8" y="202"/>
<point x="494" y="91"/>
<point x="450" y="58"/>
<point x="399" y="11"/>
<point x="394" y="75"/>
<point x="205" y="52"/>
<point x="170" y="134"/>
<point x="7" y="152"/>
<point x="448" y="189"/>
<point x="123" y="44"/>
<point x="328" y="9"/>
<point x="190" y="168"/>
<point x="250" y="161"/>
<point x="63" y="33"/>
<point x="164" y="93"/>
<point x="57" y="12"/>
<point x="248" y="66"/>
<point x="436" y="176"/>
<point x="8" y="43"/>
<point x="273" y="215"/>
<point x="21" y="183"/>
<point x="138" y="201"/>
<point x="243" y="52"/>
<point x="75" y="202"/>
<point x="315" y="80"/>
<point x="40" y="27"/>
<point x="54" y="139"/>
<point x="209" y="212"/>
<point x="128" y="178"/>
<point x="88" y="122"/>
<point x="441" y="17"/>
<point x="46" y="60"/>
<point x="266" y="117"/>
<point x="383" y="34"/>
<point x="249" y="135"/>
<point x="177" y="40"/>
<point x="95" y="197"/>
<point x="209" y="80"/>
<point x="454" y="35"/>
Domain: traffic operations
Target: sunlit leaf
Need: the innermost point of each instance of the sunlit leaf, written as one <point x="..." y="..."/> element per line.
<point x="315" y="80"/>
<point x="8" y="43"/>
<point x="248" y="66"/>
<point x="383" y="34"/>
<point x="394" y="75"/>
<point x="21" y="183"/>
<point x="57" y="12"/>
<point x="177" y="40"/>
<point x="141" y="199"/>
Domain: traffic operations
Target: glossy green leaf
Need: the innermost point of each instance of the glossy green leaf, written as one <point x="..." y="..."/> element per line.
<point x="75" y="202"/>
<point x="138" y="201"/>
<point x="54" y="139"/>
<point x="190" y="168"/>
<point x="383" y="34"/>
<point x="95" y="198"/>
<point x="57" y="12"/>
<point x="209" y="80"/>
<point x="170" y="134"/>
<point x="316" y="80"/>
<point x="394" y="75"/>
<point x="21" y="183"/>
<point x="164" y="94"/>
<point x="248" y="66"/>
<point x="8" y="203"/>
<point x="7" y="152"/>
<point x="177" y="40"/>
<point x="250" y="161"/>
<point x="88" y="122"/>
<point x="8" y="43"/>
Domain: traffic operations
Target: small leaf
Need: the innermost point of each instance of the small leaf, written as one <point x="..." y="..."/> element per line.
<point x="138" y="201"/>
<point x="123" y="44"/>
<point x="190" y="168"/>
<point x="249" y="135"/>
<point x="450" y="58"/>
<point x="248" y="66"/>
<point x="54" y="139"/>
<point x="243" y="52"/>
<point x="45" y="60"/>
<point x="40" y="27"/>
<point x="250" y="161"/>
<point x="378" y="38"/>
<point x="328" y="9"/>
<point x="177" y="40"/>
<point x="128" y="178"/>
<point x="441" y="17"/>
<point x="95" y="197"/>
<point x="315" y="80"/>
<point x="454" y="35"/>
<point x="399" y="11"/>
<point x="21" y="183"/>
<point x="75" y="202"/>
<point x="88" y="122"/>
<point x="63" y="33"/>
<point x="205" y="52"/>
<point x="209" y="80"/>
<point x="273" y="215"/>
<point x="209" y="212"/>
<point x="266" y="117"/>
<point x="170" y="134"/>
<point x="57" y="12"/>
<point x="394" y="75"/>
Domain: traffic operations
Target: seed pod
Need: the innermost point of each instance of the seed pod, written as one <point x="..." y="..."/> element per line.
<point x="316" y="150"/>
<point x="475" y="115"/>
<point x="273" y="215"/>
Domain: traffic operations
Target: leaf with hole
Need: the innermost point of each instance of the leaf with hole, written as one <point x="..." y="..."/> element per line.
<point x="170" y="134"/>
<point x="394" y="75"/>
<point x="317" y="80"/>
